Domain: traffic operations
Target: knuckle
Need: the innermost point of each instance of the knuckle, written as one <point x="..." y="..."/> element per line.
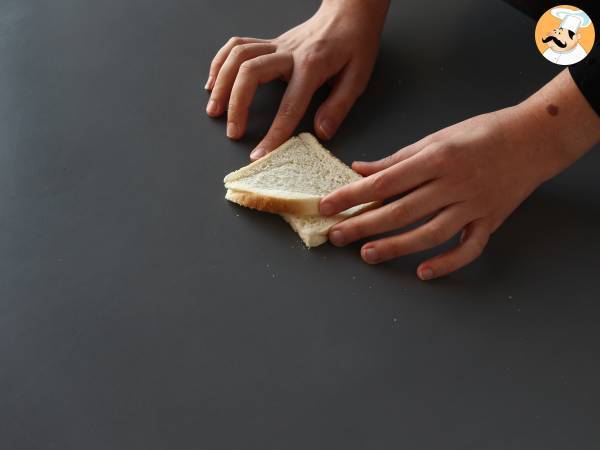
<point x="313" y="56"/>
<point x="389" y="160"/>
<point x="240" y="52"/>
<point x="378" y="184"/>
<point x="439" y="152"/>
<point x="235" y="40"/>
<point x="401" y="211"/>
<point x="288" y="110"/>
<point x="447" y="147"/>
<point x="320" y="45"/>
<point x="435" y="235"/>
<point x="248" y="67"/>
<point x="237" y="51"/>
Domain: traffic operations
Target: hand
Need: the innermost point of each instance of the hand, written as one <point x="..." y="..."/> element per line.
<point x="467" y="178"/>
<point x="339" y="42"/>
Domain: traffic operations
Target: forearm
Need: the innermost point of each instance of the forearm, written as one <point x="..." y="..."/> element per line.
<point x="559" y="124"/>
<point x="376" y="10"/>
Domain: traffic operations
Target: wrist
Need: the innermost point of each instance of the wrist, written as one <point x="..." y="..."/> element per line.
<point x="374" y="10"/>
<point x="556" y="126"/>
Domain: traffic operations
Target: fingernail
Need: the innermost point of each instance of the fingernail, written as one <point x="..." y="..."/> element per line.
<point x="232" y="130"/>
<point x="426" y="274"/>
<point x="257" y="153"/>
<point x="209" y="83"/>
<point x="337" y="238"/>
<point x="327" y="127"/>
<point x="370" y="255"/>
<point x="211" y="108"/>
<point x="326" y="208"/>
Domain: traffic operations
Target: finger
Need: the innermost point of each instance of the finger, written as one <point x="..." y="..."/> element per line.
<point x="403" y="212"/>
<point x="394" y="180"/>
<point x="366" y="168"/>
<point x="251" y="74"/>
<point x="431" y="234"/>
<point x="474" y="240"/>
<point x="228" y="73"/>
<point x="294" y="103"/>
<point x="346" y="89"/>
<point x="221" y="56"/>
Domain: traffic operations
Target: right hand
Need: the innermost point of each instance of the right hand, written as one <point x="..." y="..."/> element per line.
<point x="340" y="42"/>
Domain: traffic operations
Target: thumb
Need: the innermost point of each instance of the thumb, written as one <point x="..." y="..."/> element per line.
<point x="346" y="89"/>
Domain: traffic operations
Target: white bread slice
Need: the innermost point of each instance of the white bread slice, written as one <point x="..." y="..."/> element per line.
<point x="313" y="230"/>
<point x="291" y="179"/>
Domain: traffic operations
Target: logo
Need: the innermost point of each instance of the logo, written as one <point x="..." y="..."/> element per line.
<point x="564" y="35"/>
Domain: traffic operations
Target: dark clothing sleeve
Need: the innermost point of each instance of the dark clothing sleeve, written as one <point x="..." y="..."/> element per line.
<point x="586" y="73"/>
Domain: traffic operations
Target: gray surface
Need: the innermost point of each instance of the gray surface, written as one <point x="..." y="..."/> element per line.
<point x="139" y="310"/>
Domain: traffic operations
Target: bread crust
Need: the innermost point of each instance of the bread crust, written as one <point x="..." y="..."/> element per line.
<point x="260" y="202"/>
<point x="286" y="206"/>
<point x="310" y="239"/>
<point x="278" y="204"/>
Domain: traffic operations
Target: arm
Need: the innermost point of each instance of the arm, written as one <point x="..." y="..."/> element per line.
<point x="339" y="43"/>
<point x="586" y="73"/>
<point x="469" y="178"/>
<point x="564" y="121"/>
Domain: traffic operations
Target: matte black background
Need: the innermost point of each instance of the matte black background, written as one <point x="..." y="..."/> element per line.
<point x="140" y="310"/>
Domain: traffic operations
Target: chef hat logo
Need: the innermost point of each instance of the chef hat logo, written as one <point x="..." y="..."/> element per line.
<point x="564" y="35"/>
<point x="571" y="19"/>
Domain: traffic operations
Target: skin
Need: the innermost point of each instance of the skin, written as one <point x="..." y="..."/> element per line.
<point x="467" y="178"/>
<point x="338" y="44"/>
<point x="563" y="36"/>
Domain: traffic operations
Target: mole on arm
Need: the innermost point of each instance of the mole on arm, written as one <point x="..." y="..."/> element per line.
<point x="552" y="109"/>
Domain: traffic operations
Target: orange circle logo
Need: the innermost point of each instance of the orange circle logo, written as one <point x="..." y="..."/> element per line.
<point x="564" y="35"/>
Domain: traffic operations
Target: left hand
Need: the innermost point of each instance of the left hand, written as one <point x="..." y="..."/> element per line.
<point x="338" y="43"/>
<point x="468" y="178"/>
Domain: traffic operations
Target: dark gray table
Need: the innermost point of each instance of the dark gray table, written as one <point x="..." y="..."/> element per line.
<point x="140" y="310"/>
